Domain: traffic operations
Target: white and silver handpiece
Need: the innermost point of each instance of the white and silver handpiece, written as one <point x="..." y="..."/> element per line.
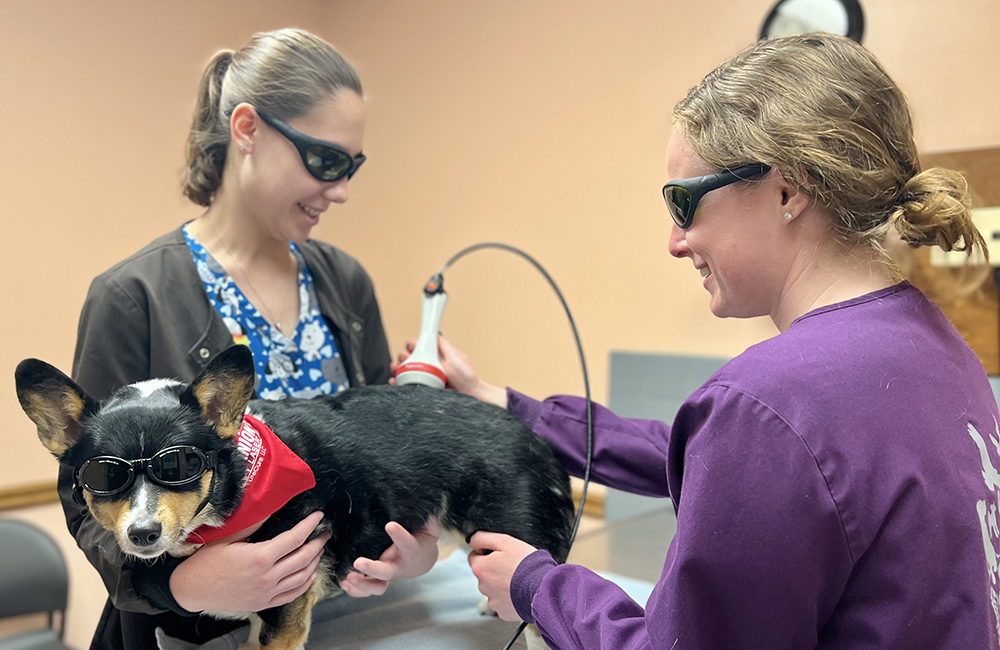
<point x="423" y="366"/>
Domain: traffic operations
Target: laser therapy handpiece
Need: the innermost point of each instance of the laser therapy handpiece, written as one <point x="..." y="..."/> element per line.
<point x="422" y="366"/>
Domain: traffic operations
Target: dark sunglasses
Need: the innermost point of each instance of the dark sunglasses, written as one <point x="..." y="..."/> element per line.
<point x="174" y="466"/>
<point x="324" y="160"/>
<point x="682" y="196"/>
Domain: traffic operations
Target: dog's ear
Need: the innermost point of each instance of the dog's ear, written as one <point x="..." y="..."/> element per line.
<point x="221" y="392"/>
<point x="54" y="402"/>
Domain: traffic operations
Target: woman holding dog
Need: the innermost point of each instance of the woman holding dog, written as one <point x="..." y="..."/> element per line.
<point x="277" y="135"/>
<point x="835" y="486"/>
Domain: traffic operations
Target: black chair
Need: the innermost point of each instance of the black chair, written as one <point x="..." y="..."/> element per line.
<point x="33" y="580"/>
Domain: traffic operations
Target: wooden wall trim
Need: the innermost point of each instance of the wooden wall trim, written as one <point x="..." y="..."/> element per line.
<point x="28" y="495"/>
<point x="594" y="507"/>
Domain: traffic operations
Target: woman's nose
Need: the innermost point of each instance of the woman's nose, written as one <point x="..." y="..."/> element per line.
<point x="336" y="192"/>
<point x="677" y="244"/>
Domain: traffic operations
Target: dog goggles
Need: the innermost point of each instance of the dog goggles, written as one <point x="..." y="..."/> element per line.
<point x="324" y="160"/>
<point x="682" y="196"/>
<point x="174" y="466"/>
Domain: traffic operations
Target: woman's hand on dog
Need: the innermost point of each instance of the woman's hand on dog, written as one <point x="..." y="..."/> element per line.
<point x="237" y="576"/>
<point x="493" y="559"/>
<point x="461" y="375"/>
<point x="410" y="555"/>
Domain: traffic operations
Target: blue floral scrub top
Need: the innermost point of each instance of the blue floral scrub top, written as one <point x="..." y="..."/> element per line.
<point x="306" y="364"/>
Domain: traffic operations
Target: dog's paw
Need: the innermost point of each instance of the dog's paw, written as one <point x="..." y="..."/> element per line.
<point x="184" y="549"/>
<point x="534" y="639"/>
<point x="484" y="608"/>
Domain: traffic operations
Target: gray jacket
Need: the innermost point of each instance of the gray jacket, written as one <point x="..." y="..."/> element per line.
<point x="148" y="317"/>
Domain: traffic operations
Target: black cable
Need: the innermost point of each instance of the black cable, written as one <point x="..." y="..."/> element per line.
<point x="583" y="365"/>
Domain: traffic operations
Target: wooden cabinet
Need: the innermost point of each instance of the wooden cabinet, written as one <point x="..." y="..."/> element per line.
<point x="968" y="296"/>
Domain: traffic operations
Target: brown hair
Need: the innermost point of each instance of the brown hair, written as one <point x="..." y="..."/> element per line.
<point x="822" y="111"/>
<point x="285" y="73"/>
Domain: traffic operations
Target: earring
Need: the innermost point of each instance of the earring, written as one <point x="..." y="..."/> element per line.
<point x="788" y="216"/>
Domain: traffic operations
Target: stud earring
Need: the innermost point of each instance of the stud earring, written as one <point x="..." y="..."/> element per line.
<point x="788" y="216"/>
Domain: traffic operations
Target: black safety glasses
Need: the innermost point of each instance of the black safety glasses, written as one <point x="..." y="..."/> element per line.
<point x="174" y="466"/>
<point x="324" y="160"/>
<point x="682" y="196"/>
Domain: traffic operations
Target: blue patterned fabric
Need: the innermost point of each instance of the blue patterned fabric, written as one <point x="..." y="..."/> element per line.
<point x="305" y="364"/>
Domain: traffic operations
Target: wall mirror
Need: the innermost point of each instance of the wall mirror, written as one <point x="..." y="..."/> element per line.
<point x="789" y="17"/>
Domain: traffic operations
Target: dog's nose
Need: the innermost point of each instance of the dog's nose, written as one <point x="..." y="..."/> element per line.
<point x="144" y="534"/>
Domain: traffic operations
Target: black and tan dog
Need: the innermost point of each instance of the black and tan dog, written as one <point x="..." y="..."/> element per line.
<point x="159" y="459"/>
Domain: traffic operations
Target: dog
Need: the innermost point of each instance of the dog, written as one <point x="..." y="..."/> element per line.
<point x="373" y="454"/>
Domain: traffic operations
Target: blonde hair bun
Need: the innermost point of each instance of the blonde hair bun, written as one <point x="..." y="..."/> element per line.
<point x="934" y="211"/>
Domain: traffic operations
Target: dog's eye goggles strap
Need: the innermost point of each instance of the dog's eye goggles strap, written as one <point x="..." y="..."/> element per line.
<point x="174" y="466"/>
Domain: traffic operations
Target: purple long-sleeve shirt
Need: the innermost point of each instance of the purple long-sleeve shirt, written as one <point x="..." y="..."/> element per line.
<point x="835" y="487"/>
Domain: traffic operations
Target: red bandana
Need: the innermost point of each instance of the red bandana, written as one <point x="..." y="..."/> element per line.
<point x="274" y="475"/>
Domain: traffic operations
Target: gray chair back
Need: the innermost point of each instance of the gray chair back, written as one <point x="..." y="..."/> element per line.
<point x="33" y="575"/>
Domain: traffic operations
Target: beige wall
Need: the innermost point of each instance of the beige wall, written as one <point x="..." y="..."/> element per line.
<point x="542" y="125"/>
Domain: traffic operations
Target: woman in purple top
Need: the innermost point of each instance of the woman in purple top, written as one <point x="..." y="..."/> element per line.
<point x="835" y="486"/>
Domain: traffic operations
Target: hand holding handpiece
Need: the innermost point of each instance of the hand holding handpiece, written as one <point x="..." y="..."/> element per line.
<point x="458" y="369"/>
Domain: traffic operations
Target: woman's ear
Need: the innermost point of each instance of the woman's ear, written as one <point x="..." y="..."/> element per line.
<point x="243" y="127"/>
<point x="793" y="200"/>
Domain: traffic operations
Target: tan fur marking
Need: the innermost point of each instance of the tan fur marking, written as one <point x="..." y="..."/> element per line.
<point x="107" y="513"/>
<point x="175" y="510"/>
<point x="294" y="627"/>
<point x="54" y="416"/>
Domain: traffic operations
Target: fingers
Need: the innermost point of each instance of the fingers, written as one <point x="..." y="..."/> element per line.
<point x="358" y="586"/>
<point x="302" y="557"/>
<point x="233" y="575"/>
<point x="288" y="541"/>
<point x="403" y="356"/>
<point x="296" y="578"/>
<point x="385" y="568"/>
<point x="401" y="538"/>
<point x="475" y="558"/>
<point x="409" y="555"/>
<point x="445" y="348"/>
<point x="486" y="541"/>
<point x="288" y="596"/>
<point x="297" y="570"/>
<point x="493" y="570"/>
<point x="382" y="569"/>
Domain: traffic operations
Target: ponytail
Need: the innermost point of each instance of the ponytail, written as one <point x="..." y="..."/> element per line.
<point x="934" y="211"/>
<point x="209" y="137"/>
